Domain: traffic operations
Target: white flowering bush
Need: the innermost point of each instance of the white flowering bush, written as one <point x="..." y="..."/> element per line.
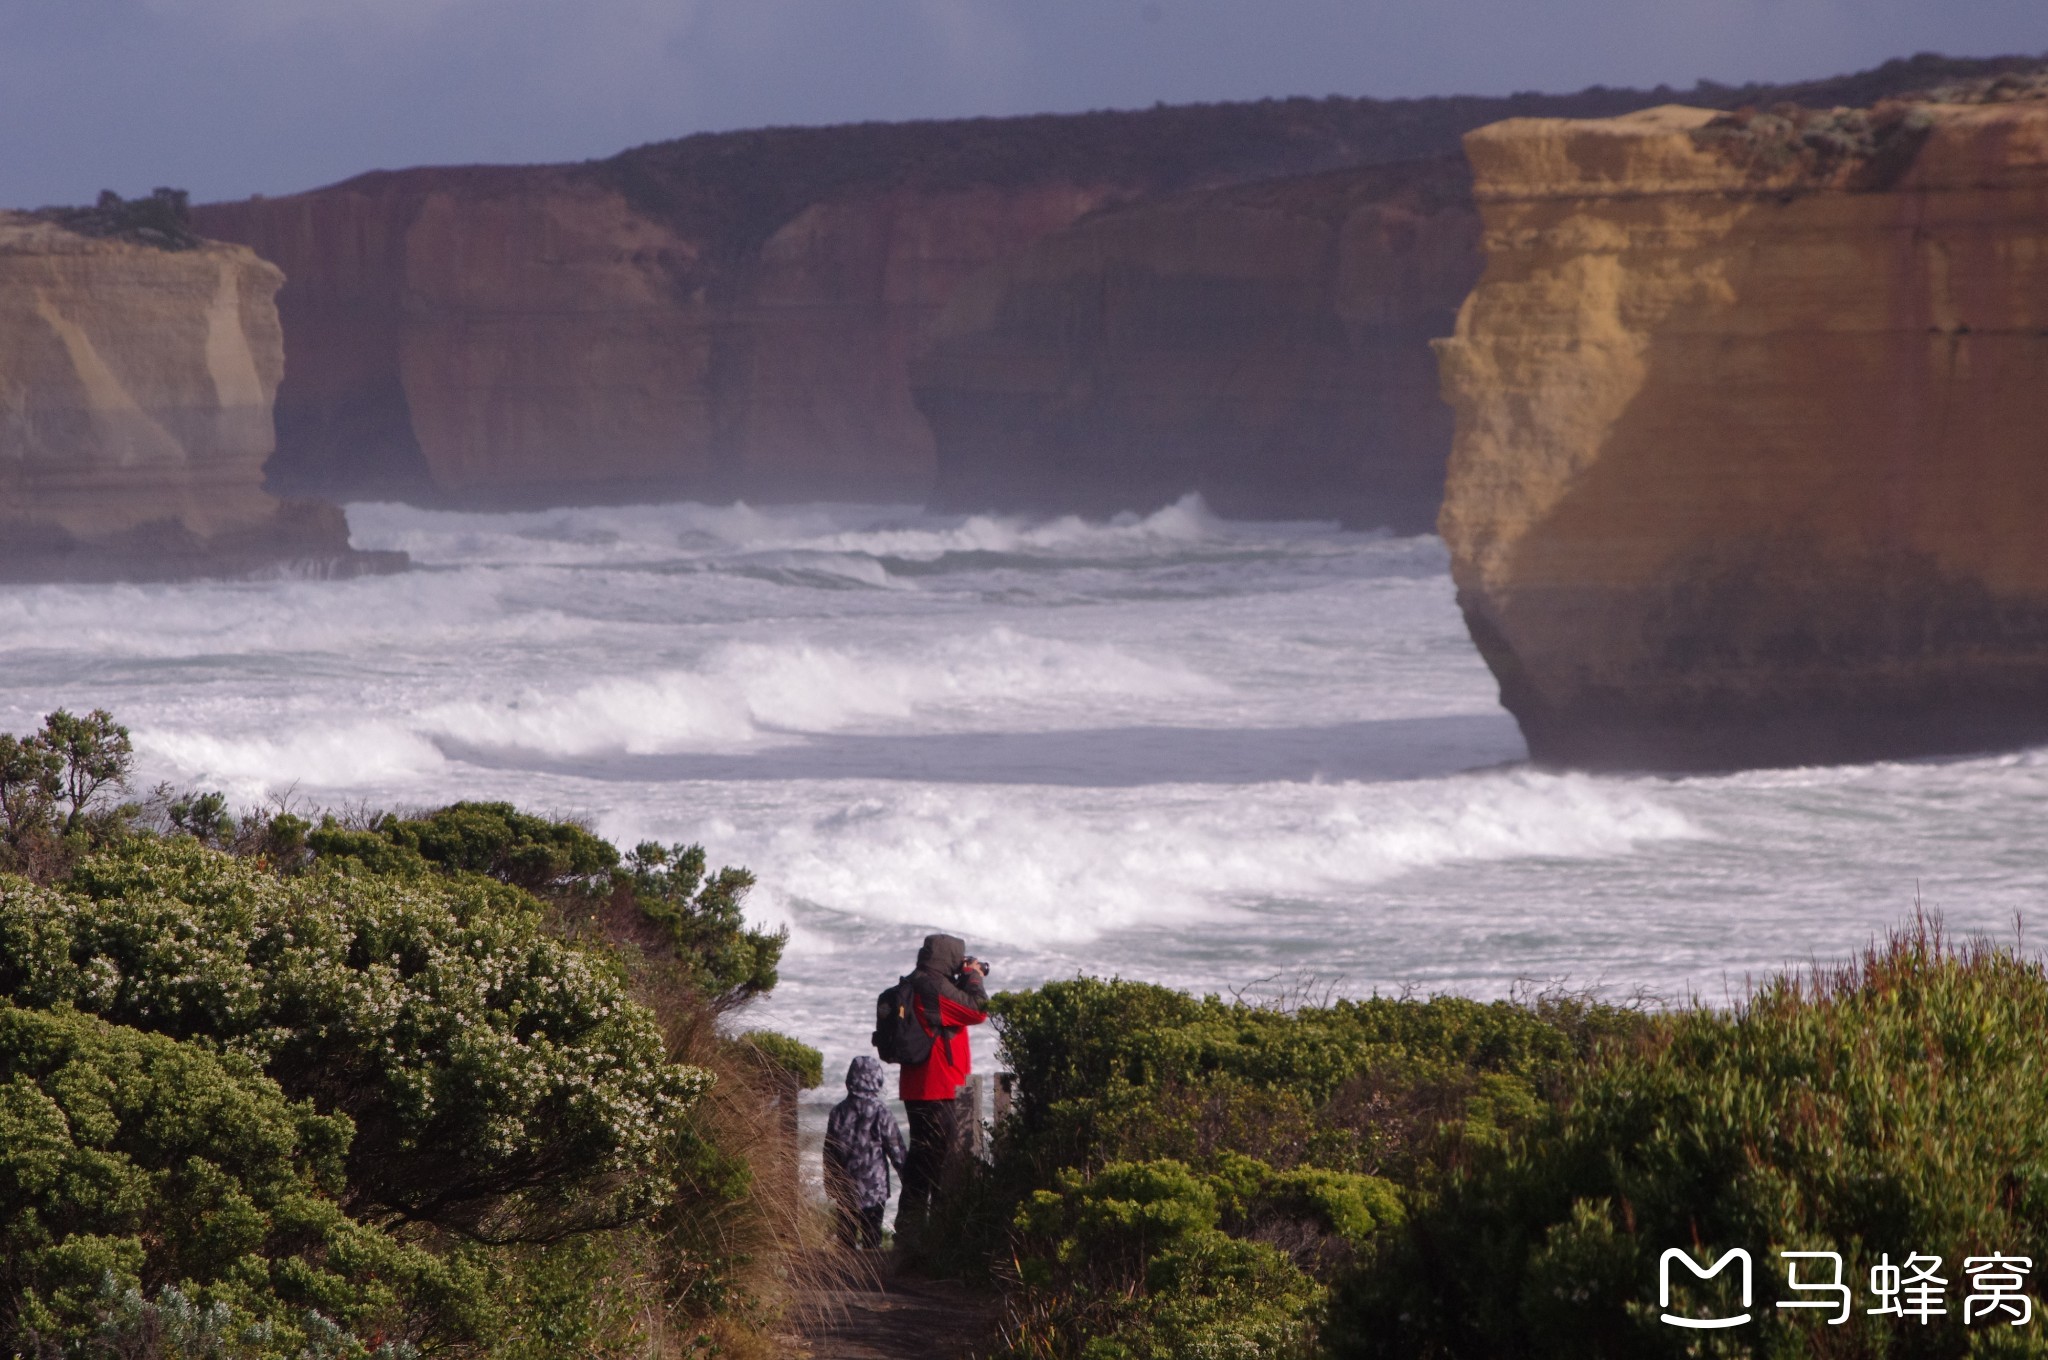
<point x="663" y="900"/>
<point x="501" y="1081"/>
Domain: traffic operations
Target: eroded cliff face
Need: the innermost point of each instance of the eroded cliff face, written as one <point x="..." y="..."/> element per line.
<point x="1751" y="452"/>
<point x="1266" y="346"/>
<point x="135" y="411"/>
<point x="528" y="336"/>
<point x="728" y="315"/>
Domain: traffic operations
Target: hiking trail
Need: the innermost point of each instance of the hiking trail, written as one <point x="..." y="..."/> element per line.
<point x="857" y="1307"/>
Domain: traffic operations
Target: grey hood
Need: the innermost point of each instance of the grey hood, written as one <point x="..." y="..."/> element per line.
<point x="942" y="954"/>
<point x="864" y="1077"/>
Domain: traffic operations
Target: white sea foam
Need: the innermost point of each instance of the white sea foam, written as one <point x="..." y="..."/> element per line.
<point x="743" y="695"/>
<point x="1185" y="522"/>
<point x="815" y="568"/>
<point x="1038" y="867"/>
<point x="685" y="530"/>
<point x="277" y="618"/>
<point x="373" y="754"/>
<point x="747" y="692"/>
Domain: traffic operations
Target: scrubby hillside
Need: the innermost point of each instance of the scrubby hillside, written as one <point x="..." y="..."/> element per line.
<point x="448" y="1084"/>
<point x="1408" y="1179"/>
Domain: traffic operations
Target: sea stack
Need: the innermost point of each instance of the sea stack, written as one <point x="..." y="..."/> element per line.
<point x="1751" y="452"/>
<point x="137" y="371"/>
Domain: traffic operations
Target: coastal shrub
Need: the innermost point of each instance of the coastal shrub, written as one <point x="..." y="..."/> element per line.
<point x="1132" y="1264"/>
<point x="793" y="1058"/>
<point x="1115" y="1070"/>
<point x="273" y="837"/>
<point x="94" y="758"/>
<point x="699" y="913"/>
<point x="2004" y="87"/>
<point x="660" y="899"/>
<point x="163" y="220"/>
<point x="130" y="1159"/>
<point x="501" y="1080"/>
<point x="1189" y="1175"/>
<point x="535" y="1136"/>
<point x="517" y="1116"/>
<point x="501" y="842"/>
<point x="1894" y="1107"/>
<point x="1866" y="148"/>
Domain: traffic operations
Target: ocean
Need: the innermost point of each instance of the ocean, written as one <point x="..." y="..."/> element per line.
<point x="1259" y="759"/>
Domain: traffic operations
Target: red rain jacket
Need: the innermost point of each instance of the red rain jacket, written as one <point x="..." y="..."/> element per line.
<point x="941" y="1076"/>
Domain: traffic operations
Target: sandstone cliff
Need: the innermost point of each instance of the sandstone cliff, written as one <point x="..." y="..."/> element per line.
<point x="532" y="336"/>
<point x="1751" y="450"/>
<point x="135" y="410"/>
<point x="1267" y="346"/>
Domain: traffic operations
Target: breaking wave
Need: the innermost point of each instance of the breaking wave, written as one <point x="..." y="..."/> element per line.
<point x="706" y="533"/>
<point x="1043" y="867"/>
<point x="742" y="694"/>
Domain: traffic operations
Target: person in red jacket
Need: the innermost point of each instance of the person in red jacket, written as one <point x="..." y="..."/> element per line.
<point x="950" y="998"/>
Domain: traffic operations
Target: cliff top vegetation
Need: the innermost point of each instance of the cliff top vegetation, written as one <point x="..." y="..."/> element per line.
<point x="1857" y="148"/>
<point x="163" y="220"/>
<point x="732" y="190"/>
<point x="736" y="188"/>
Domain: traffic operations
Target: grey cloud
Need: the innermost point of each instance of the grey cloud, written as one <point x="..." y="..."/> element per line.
<point x="230" y="97"/>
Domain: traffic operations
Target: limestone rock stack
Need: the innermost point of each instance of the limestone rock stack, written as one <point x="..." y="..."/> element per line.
<point x="1751" y="452"/>
<point x="135" y="411"/>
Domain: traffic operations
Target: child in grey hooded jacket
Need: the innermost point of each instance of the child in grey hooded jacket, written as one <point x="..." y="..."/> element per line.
<point x="862" y="1143"/>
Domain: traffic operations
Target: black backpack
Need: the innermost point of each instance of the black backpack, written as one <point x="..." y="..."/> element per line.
<point x="901" y="1035"/>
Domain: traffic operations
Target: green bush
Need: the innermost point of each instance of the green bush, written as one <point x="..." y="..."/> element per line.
<point x="660" y="898"/>
<point x="55" y="787"/>
<point x="128" y="1158"/>
<point x="163" y="220"/>
<point x="501" y="1080"/>
<point x="699" y="915"/>
<point x="1388" y="1087"/>
<point x="501" y="842"/>
<point x="798" y="1060"/>
<point x="1898" y="1106"/>
<point x="488" y="1030"/>
<point x="1132" y="1264"/>
<point x="1190" y="1175"/>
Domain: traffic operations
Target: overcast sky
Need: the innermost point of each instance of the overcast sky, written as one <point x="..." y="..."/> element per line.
<point x="231" y="97"/>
